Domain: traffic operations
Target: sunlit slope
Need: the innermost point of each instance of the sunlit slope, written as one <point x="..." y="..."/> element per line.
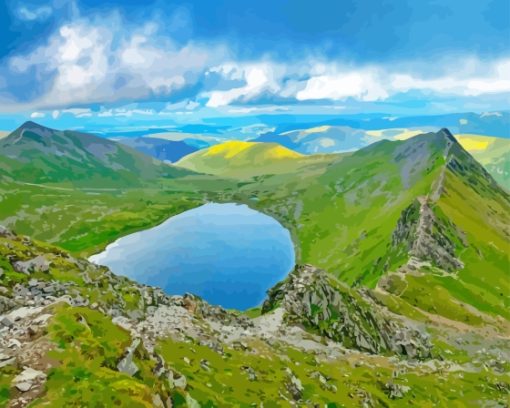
<point x="361" y="218"/>
<point x="37" y="154"/>
<point x="492" y="152"/>
<point x="238" y="158"/>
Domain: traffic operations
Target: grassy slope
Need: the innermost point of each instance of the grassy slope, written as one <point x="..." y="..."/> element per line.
<point x="492" y="152"/>
<point x="245" y="159"/>
<point x="36" y="154"/>
<point x="84" y="221"/>
<point x="83" y="348"/>
<point x="341" y="213"/>
<point x="343" y="219"/>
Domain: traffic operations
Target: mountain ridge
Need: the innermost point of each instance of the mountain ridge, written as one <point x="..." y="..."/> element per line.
<point x="35" y="153"/>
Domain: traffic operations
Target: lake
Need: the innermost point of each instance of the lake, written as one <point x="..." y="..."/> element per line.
<point x="228" y="254"/>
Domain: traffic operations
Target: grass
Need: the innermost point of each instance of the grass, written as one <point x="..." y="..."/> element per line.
<point x="87" y="349"/>
<point x="226" y="383"/>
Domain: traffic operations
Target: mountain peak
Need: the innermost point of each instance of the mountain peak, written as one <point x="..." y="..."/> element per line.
<point x="447" y="134"/>
<point x="32" y="125"/>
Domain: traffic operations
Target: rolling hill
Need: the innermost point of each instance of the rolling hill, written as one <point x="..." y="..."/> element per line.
<point x="36" y="154"/>
<point x="161" y="149"/>
<point x="403" y="301"/>
<point x="238" y="158"/>
<point x="492" y="152"/>
<point x="423" y="205"/>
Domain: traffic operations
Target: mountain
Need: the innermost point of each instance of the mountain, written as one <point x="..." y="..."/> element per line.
<point x="421" y="210"/>
<point x="399" y="296"/>
<point x="321" y="139"/>
<point x="492" y="152"/>
<point x="36" y="154"/>
<point x="241" y="158"/>
<point x="486" y="123"/>
<point x="161" y="149"/>
<point x="73" y="333"/>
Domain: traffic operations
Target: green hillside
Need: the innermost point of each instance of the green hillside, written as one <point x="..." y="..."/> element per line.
<point x="36" y="154"/>
<point x="86" y="337"/>
<point x="347" y="219"/>
<point x="244" y="159"/>
<point x="492" y="152"/>
<point x="411" y="306"/>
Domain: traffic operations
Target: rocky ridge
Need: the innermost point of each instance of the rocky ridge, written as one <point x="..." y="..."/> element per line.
<point x="309" y="311"/>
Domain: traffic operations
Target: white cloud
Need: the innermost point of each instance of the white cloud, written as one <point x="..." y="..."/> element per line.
<point x="77" y="112"/>
<point x="36" y="13"/>
<point x="100" y="62"/>
<point x="258" y="78"/>
<point x="104" y="59"/>
<point x="251" y="109"/>
<point x="37" y="115"/>
<point x="362" y="85"/>
<point x="125" y="112"/>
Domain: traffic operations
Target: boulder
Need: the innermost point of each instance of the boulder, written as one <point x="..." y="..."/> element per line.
<point x="37" y="264"/>
<point x="27" y="379"/>
<point x="126" y="364"/>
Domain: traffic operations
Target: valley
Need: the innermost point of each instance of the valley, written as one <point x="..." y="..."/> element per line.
<point x="400" y="294"/>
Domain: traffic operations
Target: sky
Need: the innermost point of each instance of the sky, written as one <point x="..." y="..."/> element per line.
<point x="174" y="63"/>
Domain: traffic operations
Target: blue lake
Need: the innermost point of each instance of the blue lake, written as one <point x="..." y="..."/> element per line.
<point x="228" y="254"/>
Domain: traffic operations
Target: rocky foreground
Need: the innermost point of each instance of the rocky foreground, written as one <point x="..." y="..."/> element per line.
<point x="72" y="331"/>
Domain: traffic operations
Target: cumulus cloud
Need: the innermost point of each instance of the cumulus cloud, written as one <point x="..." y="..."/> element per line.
<point x="37" y="115"/>
<point x="27" y="13"/>
<point x="494" y="79"/>
<point x="257" y="78"/>
<point x="88" y="62"/>
<point x="104" y="60"/>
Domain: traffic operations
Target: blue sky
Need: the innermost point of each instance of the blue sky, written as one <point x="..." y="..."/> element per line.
<point x="162" y="63"/>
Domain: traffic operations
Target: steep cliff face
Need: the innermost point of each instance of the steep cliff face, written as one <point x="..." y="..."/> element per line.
<point x="424" y="236"/>
<point x="318" y="301"/>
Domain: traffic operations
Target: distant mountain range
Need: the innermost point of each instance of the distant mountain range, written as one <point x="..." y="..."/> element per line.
<point x="37" y="154"/>
<point x="321" y="139"/>
<point x="161" y="149"/>
<point x="487" y="123"/>
<point x="403" y="299"/>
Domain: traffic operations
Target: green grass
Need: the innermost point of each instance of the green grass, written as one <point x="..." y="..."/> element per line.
<point x="226" y="382"/>
<point x="87" y="349"/>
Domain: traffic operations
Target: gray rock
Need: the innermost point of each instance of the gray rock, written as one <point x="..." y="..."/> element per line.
<point x="294" y="385"/>
<point x="126" y="364"/>
<point x="395" y="391"/>
<point x="6" y="233"/>
<point x="181" y="382"/>
<point x="37" y="264"/>
<point x="311" y="297"/>
<point x="27" y="379"/>
<point x="6" y="321"/>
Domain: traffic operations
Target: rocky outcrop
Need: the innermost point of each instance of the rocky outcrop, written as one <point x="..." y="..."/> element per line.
<point x="315" y="299"/>
<point x="28" y="379"/>
<point x="37" y="264"/>
<point x="423" y="235"/>
<point x="127" y="365"/>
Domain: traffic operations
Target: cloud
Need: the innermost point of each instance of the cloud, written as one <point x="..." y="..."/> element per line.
<point x="252" y="109"/>
<point x="27" y="13"/>
<point x="126" y="112"/>
<point x="106" y="60"/>
<point x="494" y="79"/>
<point x="101" y="61"/>
<point x="37" y="115"/>
<point x="257" y="78"/>
<point x="364" y="86"/>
